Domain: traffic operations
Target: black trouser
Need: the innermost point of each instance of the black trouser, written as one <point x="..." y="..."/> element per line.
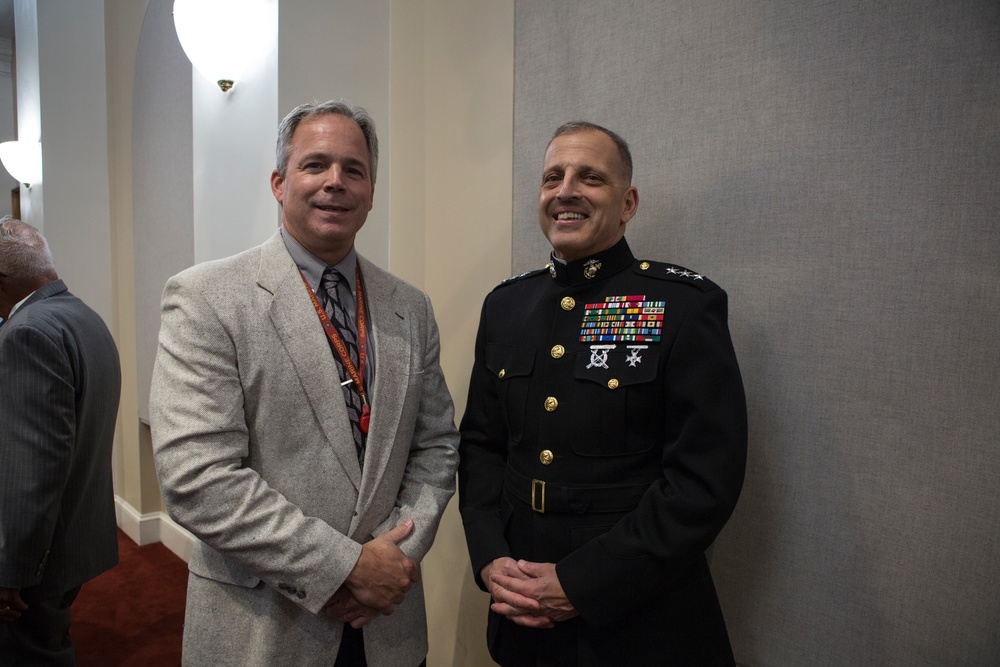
<point x="41" y="635"/>
<point x="352" y="649"/>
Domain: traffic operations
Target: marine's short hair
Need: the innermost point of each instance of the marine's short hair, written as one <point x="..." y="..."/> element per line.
<point x="624" y="154"/>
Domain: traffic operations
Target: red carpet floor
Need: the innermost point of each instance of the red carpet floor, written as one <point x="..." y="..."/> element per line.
<point x="133" y="614"/>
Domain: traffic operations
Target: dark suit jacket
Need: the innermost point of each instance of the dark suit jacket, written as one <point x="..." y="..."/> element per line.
<point x="59" y="387"/>
<point x="636" y="426"/>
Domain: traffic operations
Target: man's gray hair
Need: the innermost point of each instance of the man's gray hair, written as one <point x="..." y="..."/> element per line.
<point x="624" y="154"/>
<point x="338" y="107"/>
<point x="24" y="252"/>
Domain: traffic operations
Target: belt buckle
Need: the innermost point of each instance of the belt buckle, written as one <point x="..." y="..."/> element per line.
<point x="538" y="499"/>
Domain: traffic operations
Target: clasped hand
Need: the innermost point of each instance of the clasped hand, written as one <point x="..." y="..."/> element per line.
<point x="527" y="593"/>
<point x="11" y="604"/>
<point x="379" y="581"/>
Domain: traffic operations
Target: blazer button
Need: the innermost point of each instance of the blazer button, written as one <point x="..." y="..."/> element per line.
<point x="612" y="383"/>
<point x="568" y="303"/>
<point x="551" y="404"/>
<point x="301" y="595"/>
<point x="558" y="351"/>
<point x="502" y="373"/>
<point x="546" y="457"/>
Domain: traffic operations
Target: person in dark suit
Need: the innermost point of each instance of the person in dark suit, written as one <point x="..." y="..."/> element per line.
<point x="60" y="382"/>
<point x="302" y="429"/>
<point x="603" y="445"/>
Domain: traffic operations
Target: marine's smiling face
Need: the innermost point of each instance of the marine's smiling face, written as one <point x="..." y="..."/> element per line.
<point x="584" y="200"/>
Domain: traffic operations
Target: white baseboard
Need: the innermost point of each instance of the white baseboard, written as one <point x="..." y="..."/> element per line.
<point x="153" y="527"/>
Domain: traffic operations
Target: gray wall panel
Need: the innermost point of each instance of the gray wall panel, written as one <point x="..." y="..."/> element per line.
<point x="834" y="165"/>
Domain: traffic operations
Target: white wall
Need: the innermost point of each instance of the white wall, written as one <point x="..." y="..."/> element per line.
<point x="28" y="113"/>
<point x="62" y="98"/>
<point x="8" y="117"/>
<point x="320" y="51"/>
<point x="233" y="144"/>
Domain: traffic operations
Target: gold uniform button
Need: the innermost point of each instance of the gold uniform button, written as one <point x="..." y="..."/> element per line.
<point x="546" y="457"/>
<point x="612" y="383"/>
<point x="644" y="266"/>
<point x="502" y="373"/>
<point x="558" y="351"/>
<point x="551" y="404"/>
<point x="568" y="303"/>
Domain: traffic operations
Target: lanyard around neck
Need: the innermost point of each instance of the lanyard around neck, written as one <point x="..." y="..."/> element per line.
<point x="357" y="374"/>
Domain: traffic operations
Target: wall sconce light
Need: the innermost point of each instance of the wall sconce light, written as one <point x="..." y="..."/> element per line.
<point x="23" y="160"/>
<point x="219" y="37"/>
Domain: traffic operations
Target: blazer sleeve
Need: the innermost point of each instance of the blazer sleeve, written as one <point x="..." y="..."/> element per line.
<point x="37" y="435"/>
<point x="201" y="440"/>
<point x="703" y="463"/>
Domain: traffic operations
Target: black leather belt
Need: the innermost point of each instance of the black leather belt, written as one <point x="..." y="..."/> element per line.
<point x="543" y="496"/>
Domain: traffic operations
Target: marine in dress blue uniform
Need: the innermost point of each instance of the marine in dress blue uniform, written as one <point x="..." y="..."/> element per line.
<point x="605" y="433"/>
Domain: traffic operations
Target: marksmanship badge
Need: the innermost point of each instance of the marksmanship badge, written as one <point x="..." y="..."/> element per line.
<point x="599" y="356"/>
<point x="634" y="359"/>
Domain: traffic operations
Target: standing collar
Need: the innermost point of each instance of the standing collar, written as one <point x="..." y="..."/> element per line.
<point x="600" y="265"/>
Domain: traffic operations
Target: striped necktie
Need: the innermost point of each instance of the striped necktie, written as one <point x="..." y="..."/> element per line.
<point x="338" y="316"/>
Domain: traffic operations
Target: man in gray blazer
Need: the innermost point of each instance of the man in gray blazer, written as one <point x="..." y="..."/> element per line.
<point x="302" y="429"/>
<point x="59" y="388"/>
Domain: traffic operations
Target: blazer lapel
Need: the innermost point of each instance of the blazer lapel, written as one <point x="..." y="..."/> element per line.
<point x="294" y="318"/>
<point x="391" y="336"/>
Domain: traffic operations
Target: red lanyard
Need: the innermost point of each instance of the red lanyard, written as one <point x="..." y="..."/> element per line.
<point x="357" y="375"/>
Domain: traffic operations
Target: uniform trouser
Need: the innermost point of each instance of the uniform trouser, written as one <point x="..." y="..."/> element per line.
<point x="41" y="636"/>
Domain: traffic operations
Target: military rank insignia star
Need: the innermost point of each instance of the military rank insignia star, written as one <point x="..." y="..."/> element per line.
<point x="674" y="271"/>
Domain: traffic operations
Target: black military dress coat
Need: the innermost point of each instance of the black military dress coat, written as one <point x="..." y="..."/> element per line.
<point x="606" y="432"/>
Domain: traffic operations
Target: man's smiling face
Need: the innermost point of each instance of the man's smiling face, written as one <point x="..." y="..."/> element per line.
<point x="327" y="188"/>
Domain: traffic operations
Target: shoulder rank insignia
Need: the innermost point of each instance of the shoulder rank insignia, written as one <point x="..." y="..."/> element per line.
<point x="622" y="318"/>
<point x="684" y="273"/>
<point x="674" y="273"/>
<point x="520" y="276"/>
